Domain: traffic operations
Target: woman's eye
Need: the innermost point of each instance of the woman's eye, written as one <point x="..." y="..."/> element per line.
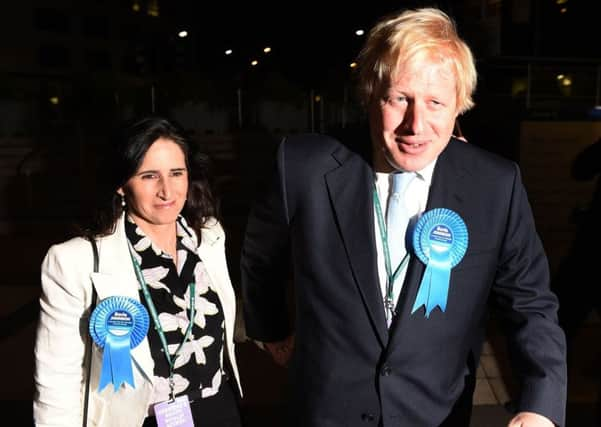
<point x="148" y="176"/>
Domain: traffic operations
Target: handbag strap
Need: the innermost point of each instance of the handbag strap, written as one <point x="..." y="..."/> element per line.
<point x="88" y="355"/>
<point x="95" y="251"/>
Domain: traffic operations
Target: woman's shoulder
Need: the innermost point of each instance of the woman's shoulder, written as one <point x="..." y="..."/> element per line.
<point x="74" y="248"/>
<point x="73" y="258"/>
<point x="212" y="230"/>
<point x="73" y="244"/>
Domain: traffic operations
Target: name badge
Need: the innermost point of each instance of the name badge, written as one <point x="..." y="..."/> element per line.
<point x="174" y="413"/>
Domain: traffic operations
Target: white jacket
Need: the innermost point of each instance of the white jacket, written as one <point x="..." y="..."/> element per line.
<point x="67" y="278"/>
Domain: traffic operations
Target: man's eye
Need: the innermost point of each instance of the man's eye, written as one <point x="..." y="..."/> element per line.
<point x="396" y="100"/>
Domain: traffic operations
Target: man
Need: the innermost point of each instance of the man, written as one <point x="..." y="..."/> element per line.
<point x="387" y="336"/>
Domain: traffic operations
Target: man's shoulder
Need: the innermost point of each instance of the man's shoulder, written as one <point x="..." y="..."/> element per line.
<point x="316" y="144"/>
<point x="311" y="142"/>
<point x="478" y="158"/>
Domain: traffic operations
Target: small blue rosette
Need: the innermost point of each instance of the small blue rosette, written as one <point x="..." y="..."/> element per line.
<point x="117" y="325"/>
<point x="440" y="240"/>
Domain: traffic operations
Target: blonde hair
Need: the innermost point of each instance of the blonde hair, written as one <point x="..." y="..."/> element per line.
<point x="398" y="39"/>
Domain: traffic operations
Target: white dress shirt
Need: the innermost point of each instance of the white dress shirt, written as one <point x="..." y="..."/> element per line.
<point x="415" y="197"/>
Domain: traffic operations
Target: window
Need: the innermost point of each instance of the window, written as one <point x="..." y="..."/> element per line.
<point x="96" y="26"/>
<point x="97" y="60"/>
<point x="52" y="20"/>
<point x="54" y="56"/>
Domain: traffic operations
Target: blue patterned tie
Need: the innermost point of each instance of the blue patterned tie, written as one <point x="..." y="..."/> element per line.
<point x="397" y="217"/>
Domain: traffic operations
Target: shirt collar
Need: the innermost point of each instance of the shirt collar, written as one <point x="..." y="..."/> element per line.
<point x="425" y="174"/>
<point x="186" y="236"/>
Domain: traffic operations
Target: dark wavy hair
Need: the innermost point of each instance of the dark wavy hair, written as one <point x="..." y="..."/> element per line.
<point x="129" y="146"/>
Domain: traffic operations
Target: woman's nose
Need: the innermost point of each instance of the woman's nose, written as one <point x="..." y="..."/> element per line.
<point x="164" y="189"/>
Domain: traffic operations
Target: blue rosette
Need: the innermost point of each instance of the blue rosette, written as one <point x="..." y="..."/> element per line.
<point x="440" y="240"/>
<point x="117" y="325"/>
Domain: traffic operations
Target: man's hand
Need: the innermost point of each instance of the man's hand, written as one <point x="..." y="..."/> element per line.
<point x="281" y="350"/>
<point x="530" y="419"/>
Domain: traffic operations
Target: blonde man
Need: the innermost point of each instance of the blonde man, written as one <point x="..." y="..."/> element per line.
<point x="390" y="318"/>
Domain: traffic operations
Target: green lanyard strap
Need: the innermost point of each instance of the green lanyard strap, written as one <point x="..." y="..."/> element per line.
<point x="157" y="323"/>
<point x="391" y="276"/>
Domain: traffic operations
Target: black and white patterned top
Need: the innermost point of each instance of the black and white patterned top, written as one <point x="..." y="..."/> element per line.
<point x="199" y="366"/>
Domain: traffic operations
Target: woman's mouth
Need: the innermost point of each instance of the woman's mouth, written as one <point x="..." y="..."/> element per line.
<point x="165" y="205"/>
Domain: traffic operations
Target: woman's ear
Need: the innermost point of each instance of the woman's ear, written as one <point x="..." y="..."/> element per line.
<point x="120" y="191"/>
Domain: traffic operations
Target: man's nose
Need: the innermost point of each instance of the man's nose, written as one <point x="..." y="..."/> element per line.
<point x="414" y="118"/>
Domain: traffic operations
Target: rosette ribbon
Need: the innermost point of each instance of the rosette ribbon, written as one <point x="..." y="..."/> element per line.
<point x="117" y="325"/>
<point x="440" y="241"/>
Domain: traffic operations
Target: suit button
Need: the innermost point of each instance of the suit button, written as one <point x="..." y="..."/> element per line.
<point x="367" y="417"/>
<point x="386" y="370"/>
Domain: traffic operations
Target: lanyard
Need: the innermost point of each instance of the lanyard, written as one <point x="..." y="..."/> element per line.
<point x="390" y="275"/>
<point x="157" y="323"/>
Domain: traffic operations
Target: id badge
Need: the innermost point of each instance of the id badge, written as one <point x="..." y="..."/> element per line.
<point x="174" y="413"/>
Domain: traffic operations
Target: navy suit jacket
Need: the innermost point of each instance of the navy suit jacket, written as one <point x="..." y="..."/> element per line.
<point x="315" y="221"/>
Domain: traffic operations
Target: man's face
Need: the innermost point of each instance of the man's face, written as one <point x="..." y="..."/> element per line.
<point x="413" y="121"/>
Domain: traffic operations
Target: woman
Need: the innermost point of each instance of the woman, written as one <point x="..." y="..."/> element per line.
<point x="159" y="243"/>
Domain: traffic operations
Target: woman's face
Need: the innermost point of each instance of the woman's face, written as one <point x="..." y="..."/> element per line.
<point x="156" y="193"/>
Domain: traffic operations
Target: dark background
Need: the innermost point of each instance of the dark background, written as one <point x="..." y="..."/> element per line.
<point x="70" y="71"/>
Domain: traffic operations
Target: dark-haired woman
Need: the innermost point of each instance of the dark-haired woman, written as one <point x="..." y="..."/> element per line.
<point x="160" y="247"/>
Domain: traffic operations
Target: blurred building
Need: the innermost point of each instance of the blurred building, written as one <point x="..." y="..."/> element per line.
<point x="71" y="70"/>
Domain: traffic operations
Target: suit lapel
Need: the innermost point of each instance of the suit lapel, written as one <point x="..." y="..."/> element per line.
<point x="350" y="190"/>
<point x="446" y="191"/>
<point x="116" y="277"/>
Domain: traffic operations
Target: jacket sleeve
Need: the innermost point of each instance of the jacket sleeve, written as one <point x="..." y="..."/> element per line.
<point x="265" y="260"/>
<point x="529" y="309"/>
<point x="60" y="340"/>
